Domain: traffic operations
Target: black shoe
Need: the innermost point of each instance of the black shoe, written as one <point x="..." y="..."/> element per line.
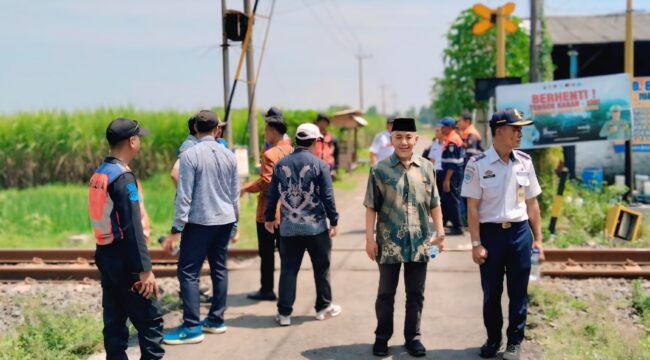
<point x="454" y="231"/>
<point x="268" y="296"/>
<point x="513" y="351"/>
<point x="490" y="349"/>
<point x="415" y="348"/>
<point x="380" y="348"/>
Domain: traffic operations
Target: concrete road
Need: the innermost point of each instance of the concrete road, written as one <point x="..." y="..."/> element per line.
<point x="452" y="326"/>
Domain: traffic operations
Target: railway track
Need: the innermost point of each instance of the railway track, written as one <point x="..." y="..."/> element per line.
<point x="590" y="263"/>
<point x="76" y="264"/>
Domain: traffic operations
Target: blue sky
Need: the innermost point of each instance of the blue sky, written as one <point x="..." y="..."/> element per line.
<point x="164" y="54"/>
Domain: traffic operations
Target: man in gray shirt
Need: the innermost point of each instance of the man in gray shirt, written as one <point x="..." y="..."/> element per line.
<point x="205" y="209"/>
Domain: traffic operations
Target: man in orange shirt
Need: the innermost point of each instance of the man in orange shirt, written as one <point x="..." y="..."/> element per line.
<point x="278" y="148"/>
<point x="327" y="148"/>
<point x="470" y="136"/>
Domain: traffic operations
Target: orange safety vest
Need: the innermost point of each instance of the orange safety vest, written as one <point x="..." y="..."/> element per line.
<point x="105" y="222"/>
<point x="325" y="150"/>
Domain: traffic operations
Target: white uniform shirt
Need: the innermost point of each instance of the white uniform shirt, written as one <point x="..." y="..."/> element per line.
<point x="381" y="146"/>
<point x="435" y="154"/>
<point x="501" y="188"/>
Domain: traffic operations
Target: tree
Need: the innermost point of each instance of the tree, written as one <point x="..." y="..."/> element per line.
<point x="468" y="57"/>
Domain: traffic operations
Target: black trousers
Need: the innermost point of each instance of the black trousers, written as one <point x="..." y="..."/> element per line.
<point x="266" y="244"/>
<point x="120" y="304"/>
<point x="292" y="250"/>
<point x="451" y="201"/>
<point x="415" y="275"/>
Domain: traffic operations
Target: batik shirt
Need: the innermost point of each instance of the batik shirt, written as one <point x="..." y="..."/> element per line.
<point x="403" y="198"/>
<point x="302" y="184"/>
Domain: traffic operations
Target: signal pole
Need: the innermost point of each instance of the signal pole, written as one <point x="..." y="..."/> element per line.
<point x="226" y="69"/>
<point x="629" y="68"/>
<point x="250" y="77"/>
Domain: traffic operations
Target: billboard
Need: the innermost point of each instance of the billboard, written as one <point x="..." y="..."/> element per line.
<point x="570" y="111"/>
<point x="641" y="118"/>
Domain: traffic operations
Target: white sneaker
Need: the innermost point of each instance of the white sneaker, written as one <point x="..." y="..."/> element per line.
<point x="283" y="320"/>
<point x="329" y="312"/>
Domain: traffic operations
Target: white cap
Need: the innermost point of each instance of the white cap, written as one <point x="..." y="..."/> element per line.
<point x="308" y="131"/>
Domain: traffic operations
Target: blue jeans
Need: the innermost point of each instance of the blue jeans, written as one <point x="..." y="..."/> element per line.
<point x="199" y="242"/>
<point x="509" y="254"/>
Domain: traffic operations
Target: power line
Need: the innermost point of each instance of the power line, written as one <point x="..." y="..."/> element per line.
<point x="329" y="32"/>
<point x="345" y="22"/>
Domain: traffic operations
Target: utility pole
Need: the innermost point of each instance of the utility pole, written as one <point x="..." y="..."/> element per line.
<point x="226" y="69"/>
<point x="250" y="77"/>
<point x="360" y="57"/>
<point x="383" y="99"/>
<point x="533" y="71"/>
<point x="629" y="68"/>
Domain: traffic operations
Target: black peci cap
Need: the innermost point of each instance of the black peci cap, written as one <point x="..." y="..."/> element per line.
<point x="322" y="116"/>
<point x="404" y="124"/>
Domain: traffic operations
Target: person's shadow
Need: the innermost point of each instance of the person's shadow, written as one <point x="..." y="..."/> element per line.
<point x="364" y="351"/>
<point x="264" y="322"/>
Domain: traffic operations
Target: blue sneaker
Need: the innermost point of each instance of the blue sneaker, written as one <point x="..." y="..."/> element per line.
<point x="184" y="335"/>
<point x="213" y="327"/>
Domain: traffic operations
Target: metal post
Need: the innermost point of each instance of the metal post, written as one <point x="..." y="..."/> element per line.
<point x="569" y="151"/>
<point x="226" y="70"/>
<point x="629" y="68"/>
<point x="250" y="77"/>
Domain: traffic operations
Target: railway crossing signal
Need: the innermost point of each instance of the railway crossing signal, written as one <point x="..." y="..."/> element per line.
<point x="498" y="17"/>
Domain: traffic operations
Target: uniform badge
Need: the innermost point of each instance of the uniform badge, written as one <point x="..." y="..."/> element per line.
<point x="133" y="192"/>
<point x="488" y="174"/>
<point x="469" y="175"/>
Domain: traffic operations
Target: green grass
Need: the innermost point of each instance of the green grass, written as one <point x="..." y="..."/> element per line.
<point x="585" y="328"/>
<point x="48" y="334"/>
<point x="47" y="216"/>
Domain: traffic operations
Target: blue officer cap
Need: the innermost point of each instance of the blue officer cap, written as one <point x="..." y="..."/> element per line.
<point x="448" y="121"/>
<point x="512" y="117"/>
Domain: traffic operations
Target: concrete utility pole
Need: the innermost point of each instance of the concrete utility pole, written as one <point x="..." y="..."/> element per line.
<point x="629" y="68"/>
<point x="535" y="13"/>
<point x="226" y="69"/>
<point x="360" y="57"/>
<point x="250" y="76"/>
<point x="383" y="99"/>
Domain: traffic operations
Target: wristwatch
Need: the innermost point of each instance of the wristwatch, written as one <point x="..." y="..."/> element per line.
<point x="475" y="243"/>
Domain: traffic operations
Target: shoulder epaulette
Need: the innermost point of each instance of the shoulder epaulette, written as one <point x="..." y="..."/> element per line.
<point x="523" y="154"/>
<point x="478" y="157"/>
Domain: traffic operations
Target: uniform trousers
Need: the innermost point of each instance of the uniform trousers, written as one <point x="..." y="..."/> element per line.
<point x="509" y="252"/>
<point x="120" y="303"/>
<point x="451" y="201"/>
